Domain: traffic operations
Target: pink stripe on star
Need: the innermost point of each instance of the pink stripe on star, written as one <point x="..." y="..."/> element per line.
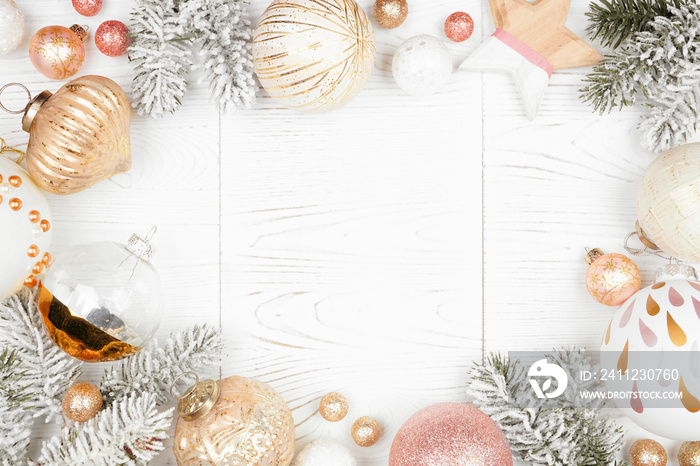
<point x="524" y="50"/>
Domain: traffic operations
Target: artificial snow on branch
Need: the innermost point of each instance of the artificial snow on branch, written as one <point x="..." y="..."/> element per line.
<point x="130" y="431"/>
<point x="574" y="432"/>
<point x="658" y="67"/>
<point x="154" y="368"/>
<point x="15" y="419"/>
<point x="162" y="33"/>
<point x="46" y="369"/>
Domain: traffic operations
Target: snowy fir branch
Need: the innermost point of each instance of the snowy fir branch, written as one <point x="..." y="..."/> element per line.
<point x="45" y="367"/>
<point x="154" y="368"/>
<point x="573" y="432"/>
<point x="162" y="34"/>
<point x="160" y="57"/>
<point x="130" y="431"/>
<point x="660" y="68"/>
<point x="613" y="21"/>
<point x="223" y="33"/>
<point x="15" y="418"/>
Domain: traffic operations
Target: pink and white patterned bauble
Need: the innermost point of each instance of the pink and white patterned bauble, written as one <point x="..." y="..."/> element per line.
<point x="650" y="355"/>
<point x="450" y="434"/>
<point x="611" y="278"/>
<point x="57" y="52"/>
<point x="25" y="229"/>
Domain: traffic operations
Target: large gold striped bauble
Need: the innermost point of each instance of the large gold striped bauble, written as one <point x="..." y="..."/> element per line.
<point x="313" y="55"/>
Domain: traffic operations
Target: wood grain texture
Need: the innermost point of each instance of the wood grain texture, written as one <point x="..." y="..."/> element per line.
<point x="343" y="251"/>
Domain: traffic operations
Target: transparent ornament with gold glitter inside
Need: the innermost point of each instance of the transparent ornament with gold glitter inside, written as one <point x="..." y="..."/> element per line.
<point x="102" y="301"/>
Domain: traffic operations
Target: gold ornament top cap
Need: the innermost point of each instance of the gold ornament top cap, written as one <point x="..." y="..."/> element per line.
<point x="675" y="272"/>
<point x="80" y="31"/>
<point x="593" y="254"/>
<point x="33" y="108"/>
<point x="197" y="400"/>
<point x="643" y="238"/>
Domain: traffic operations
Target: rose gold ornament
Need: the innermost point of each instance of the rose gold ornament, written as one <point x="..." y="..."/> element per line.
<point x="87" y="7"/>
<point x="459" y="26"/>
<point x="112" y="38"/>
<point x="390" y="14"/>
<point x="450" y="434"/>
<point x="647" y="452"/>
<point x="333" y="407"/>
<point x="82" y="402"/>
<point x="78" y="136"/>
<point x="689" y="454"/>
<point x="57" y="52"/>
<point x="611" y="278"/>
<point x="233" y="421"/>
<point x="365" y="431"/>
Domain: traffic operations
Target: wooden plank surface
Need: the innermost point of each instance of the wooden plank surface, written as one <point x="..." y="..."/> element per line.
<point x="343" y="251"/>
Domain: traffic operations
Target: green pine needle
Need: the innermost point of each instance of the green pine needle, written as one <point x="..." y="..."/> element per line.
<point x="613" y="21"/>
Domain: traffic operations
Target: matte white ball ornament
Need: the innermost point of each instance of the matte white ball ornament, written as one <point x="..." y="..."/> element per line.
<point x="422" y="65"/>
<point x="313" y="55"/>
<point x="11" y="26"/>
<point x="25" y="229"/>
<point x="668" y="203"/>
<point x="325" y="452"/>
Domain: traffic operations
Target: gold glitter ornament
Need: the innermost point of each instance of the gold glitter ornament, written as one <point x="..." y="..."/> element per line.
<point x="233" y="421"/>
<point x="647" y="452"/>
<point x="390" y="14"/>
<point x="689" y="454"/>
<point x="82" y="402"/>
<point x="313" y="56"/>
<point x="365" y="431"/>
<point x="333" y="407"/>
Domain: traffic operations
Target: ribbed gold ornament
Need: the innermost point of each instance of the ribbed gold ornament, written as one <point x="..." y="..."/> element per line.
<point x="79" y="135"/>
<point x="313" y="55"/>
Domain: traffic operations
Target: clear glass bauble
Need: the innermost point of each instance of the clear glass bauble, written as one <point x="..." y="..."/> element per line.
<point x="102" y="301"/>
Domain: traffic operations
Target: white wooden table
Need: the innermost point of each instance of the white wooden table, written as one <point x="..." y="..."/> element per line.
<point x="376" y="250"/>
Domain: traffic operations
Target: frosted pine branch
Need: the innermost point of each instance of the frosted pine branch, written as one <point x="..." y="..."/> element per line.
<point x="46" y="368"/>
<point x="160" y="57"/>
<point x="131" y="431"/>
<point x="154" y="368"/>
<point x="222" y="33"/>
<point x="15" y="418"/>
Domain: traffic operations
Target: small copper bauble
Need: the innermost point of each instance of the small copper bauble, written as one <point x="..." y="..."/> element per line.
<point x="647" y="452"/>
<point x="390" y="14"/>
<point x="689" y="454"/>
<point x="459" y="26"/>
<point x="333" y="407"/>
<point x="87" y="7"/>
<point x="82" y="402"/>
<point x="366" y="431"/>
<point x="112" y="38"/>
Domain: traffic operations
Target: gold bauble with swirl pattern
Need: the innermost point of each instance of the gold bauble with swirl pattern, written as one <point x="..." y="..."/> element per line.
<point x="313" y="55"/>
<point x="79" y="135"/>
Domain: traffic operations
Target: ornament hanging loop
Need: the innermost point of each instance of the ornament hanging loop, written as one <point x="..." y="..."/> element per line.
<point x="189" y="391"/>
<point x="15" y="112"/>
<point x="5" y="148"/>
<point x="646" y="250"/>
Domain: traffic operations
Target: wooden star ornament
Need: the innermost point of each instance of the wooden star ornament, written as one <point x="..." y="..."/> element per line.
<point x="530" y="42"/>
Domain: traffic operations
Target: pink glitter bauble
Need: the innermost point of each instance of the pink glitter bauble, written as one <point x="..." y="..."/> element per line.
<point x="56" y="52"/>
<point x="112" y="38"/>
<point x="459" y="26"/>
<point x="450" y="434"/>
<point x="87" y="7"/>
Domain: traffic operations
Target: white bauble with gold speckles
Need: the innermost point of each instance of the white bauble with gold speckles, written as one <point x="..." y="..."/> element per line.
<point x="25" y="229"/>
<point x="650" y="355"/>
<point x="313" y="55"/>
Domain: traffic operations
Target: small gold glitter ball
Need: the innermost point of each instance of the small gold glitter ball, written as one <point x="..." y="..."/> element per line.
<point x="333" y="407"/>
<point x="390" y="14"/>
<point x="689" y="454"/>
<point x="82" y="402"/>
<point x="366" y="431"/>
<point x="647" y="452"/>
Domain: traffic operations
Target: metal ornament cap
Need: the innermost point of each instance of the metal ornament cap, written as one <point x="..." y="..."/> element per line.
<point x="33" y="109"/>
<point x="593" y="254"/>
<point x="643" y="238"/>
<point x="198" y="400"/>
<point x="675" y="271"/>
<point x="140" y="247"/>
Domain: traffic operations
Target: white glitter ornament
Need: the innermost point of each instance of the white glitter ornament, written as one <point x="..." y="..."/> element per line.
<point x="325" y="452"/>
<point x="11" y="26"/>
<point x="422" y="65"/>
